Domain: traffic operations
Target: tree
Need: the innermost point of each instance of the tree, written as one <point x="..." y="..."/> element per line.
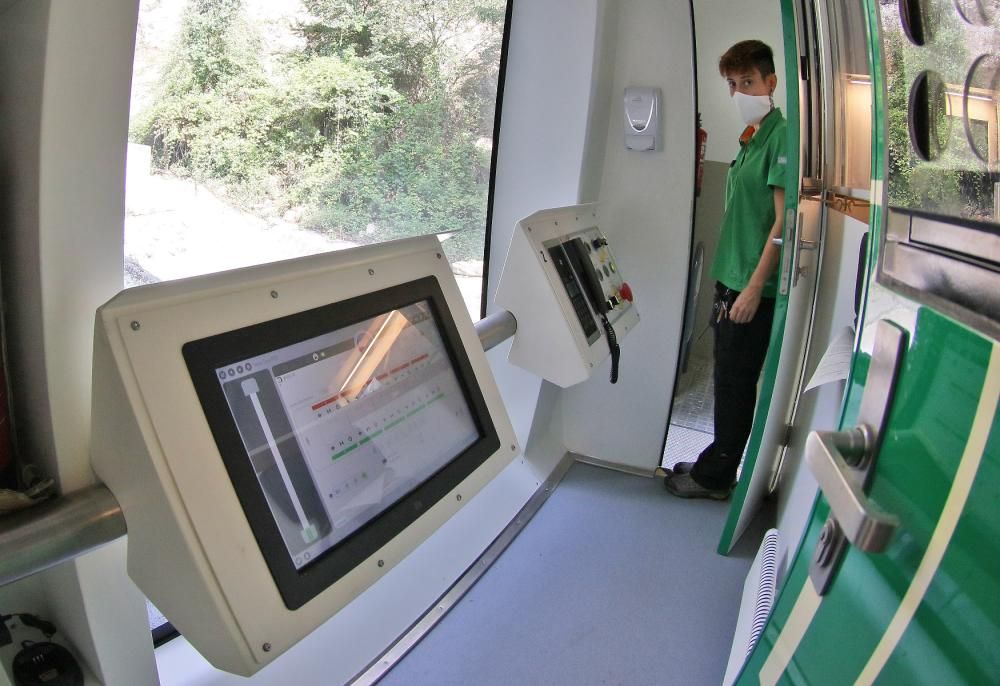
<point x="211" y="118"/>
<point x="378" y="126"/>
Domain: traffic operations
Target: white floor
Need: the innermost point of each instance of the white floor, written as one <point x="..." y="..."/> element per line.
<point x="691" y="419"/>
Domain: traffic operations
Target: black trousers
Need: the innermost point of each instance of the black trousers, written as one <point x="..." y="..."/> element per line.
<point x="740" y="350"/>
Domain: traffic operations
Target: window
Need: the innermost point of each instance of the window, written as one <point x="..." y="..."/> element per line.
<point x="268" y="129"/>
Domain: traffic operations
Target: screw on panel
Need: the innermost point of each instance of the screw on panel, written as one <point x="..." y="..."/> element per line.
<point x="458" y="497"/>
<point x="371" y="272"/>
<point x="134" y="325"/>
<point x="513" y="448"/>
<point x="266" y="647"/>
<point x="274" y="294"/>
<point x="381" y="563"/>
<point x="824" y="548"/>
<point x="439" y="256"/>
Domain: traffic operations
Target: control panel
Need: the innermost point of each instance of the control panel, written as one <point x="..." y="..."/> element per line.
<point x="566" y="290"/>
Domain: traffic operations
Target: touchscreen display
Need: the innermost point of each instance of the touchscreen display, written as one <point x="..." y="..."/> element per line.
<point x="343" y="425"/>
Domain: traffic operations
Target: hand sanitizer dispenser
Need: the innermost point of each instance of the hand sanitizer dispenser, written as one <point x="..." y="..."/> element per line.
<point x="642" y="118"/>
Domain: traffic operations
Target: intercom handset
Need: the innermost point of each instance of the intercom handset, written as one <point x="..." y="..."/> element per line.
<point x="564" y="286"/>
<point x="585" y="270"/>
<point x="586" y="259"/>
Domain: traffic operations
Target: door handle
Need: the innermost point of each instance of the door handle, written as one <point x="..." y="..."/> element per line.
<point x="836" y="458"/>
<point x="843" y="463"/>
<point x="803" y="244"/>
<point x="789" y="258"/>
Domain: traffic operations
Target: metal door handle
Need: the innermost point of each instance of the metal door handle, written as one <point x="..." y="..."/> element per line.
<point x="803" y="243"/>
<point x="835" y="458"/>
<point x="844" y="463"/>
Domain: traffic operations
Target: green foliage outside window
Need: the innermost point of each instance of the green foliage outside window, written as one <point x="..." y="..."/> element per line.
<point x="956" y="183"/>
<point x="378" y="125"/>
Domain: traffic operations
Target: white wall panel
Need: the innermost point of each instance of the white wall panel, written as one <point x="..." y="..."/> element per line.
<point x="646" y="205"/>
<point x="65" y="72"/>
<point x="720" y="24"/>
<point x="543" y="131"/>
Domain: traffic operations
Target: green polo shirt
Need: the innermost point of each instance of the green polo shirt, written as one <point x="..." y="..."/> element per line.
<point x="749" y="214"/>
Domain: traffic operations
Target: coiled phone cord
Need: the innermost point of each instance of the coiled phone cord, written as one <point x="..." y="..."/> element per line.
<point x="616" y="351"/>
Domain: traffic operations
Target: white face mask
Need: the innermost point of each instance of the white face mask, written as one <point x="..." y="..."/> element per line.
<point x="752" y="108"/>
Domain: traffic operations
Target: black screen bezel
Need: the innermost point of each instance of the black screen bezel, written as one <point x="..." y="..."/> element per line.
<point x="204" y="356"/>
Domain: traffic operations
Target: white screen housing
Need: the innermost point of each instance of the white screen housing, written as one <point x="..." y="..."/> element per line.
<point x="174" y="441"/>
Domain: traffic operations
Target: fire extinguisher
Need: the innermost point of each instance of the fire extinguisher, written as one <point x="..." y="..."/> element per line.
<point x="701" y="141"/>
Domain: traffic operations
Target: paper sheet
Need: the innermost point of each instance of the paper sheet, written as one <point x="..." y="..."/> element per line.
<point x="836" y="362"/>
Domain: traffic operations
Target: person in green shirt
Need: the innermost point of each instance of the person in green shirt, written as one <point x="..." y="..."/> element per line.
<point x="744" y="269"/>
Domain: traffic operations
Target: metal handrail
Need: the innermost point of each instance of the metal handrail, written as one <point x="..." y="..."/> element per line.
<point x="68" y="526"/>
<point x="57" y="531"/>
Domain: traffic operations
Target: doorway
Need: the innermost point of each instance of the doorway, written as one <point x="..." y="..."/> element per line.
<point x="718" y="25"/>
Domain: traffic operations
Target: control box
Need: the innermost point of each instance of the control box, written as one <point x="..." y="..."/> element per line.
<point x="563" y="285"/>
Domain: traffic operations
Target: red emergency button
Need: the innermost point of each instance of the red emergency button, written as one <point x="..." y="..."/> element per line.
<point x="625" y="292"/>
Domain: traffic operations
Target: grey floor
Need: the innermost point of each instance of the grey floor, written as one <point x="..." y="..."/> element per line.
<point x="613" y="582"/>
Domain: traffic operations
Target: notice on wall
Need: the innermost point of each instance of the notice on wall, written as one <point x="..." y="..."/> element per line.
<point x="836" y="362"/>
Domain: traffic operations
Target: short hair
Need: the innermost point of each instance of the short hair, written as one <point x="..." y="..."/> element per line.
<point x="746" y="55"/>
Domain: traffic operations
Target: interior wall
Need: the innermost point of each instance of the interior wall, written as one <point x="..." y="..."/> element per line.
<point x="543" y="127"/>
<point x="646" y="200"/>
<point x="22" y="71"/>
<point x="719" y="24"/>
<point x="708" y="212"/>
<point x="64" y="75"/>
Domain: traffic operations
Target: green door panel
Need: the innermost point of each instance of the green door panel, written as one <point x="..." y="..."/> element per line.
<point x="927" y="609"/>
<point x="953" y="632"/>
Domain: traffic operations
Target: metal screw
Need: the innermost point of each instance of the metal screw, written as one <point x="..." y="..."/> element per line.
<point x="266" y="647"/>
<point x="458" y="497"/>
<point x="371" y="272"/>
<point x="381" y="563"/>
<point x="135" y="326"/>
<point x="274" y="294"/>
<point x="439" y="256"/>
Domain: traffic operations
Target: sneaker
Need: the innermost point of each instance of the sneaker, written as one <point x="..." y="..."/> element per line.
<point x="684" y="486"/>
